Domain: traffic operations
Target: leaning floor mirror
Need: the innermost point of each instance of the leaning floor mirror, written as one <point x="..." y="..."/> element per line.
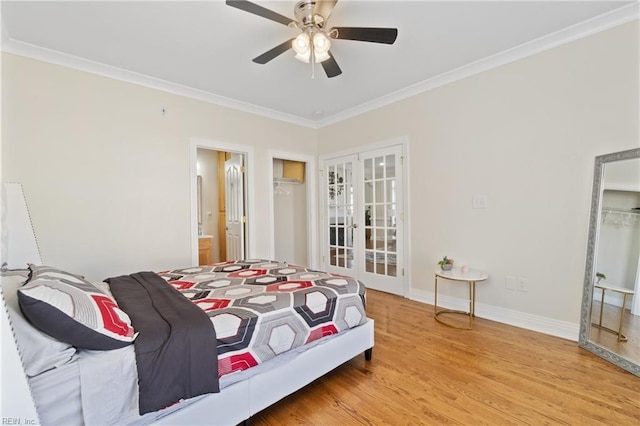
<point x="610" y="316"/>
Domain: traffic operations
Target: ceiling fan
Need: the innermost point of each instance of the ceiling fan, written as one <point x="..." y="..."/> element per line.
<point x="313" y="43"/>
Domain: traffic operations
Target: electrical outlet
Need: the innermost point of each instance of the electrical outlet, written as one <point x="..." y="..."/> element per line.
<point x="510" y="283"/>
<point x="522" y="285"/>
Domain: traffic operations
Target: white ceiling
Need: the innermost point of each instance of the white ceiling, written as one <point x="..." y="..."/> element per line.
<point x="204" y="49"/>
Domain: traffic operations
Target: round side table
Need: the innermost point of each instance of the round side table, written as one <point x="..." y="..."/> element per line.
<point x="471" y="277"/>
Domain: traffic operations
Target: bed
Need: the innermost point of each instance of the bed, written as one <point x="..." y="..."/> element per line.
<point x="273" y="321"/>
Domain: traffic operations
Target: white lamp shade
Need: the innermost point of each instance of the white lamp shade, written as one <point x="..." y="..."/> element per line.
<point x="321" y="43"/>
<point x="303" y="46"/>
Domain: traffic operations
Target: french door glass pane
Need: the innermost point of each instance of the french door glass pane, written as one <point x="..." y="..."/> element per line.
<point x="341" y="207"/>
<point x="380" y="215"/>
<point x="368" y="169"/>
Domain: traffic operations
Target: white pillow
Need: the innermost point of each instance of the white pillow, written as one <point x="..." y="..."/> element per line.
<point x="39" y="352"/>
<point x="71" y="309"/>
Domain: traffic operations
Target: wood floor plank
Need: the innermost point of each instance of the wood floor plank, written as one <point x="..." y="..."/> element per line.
<point x="424" y="372"/>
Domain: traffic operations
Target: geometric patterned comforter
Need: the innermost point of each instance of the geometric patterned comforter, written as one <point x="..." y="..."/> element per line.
<point x="262" y="308"/>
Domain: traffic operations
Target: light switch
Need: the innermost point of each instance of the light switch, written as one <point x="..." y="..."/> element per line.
<point x="479" y="202"/>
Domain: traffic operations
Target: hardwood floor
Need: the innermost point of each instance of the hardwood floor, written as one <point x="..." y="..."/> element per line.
<point x="424" y="372"/>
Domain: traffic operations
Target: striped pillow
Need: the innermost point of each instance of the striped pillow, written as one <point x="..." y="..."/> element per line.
<point x="72" y="310"/>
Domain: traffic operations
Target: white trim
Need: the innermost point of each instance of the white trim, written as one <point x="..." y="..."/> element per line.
<point x="310" y="182"/>
<point x="406" y="215"/>
<point x="563" y="329"/>
<point x="583" y="29"/>
<point x="196" y="143"/>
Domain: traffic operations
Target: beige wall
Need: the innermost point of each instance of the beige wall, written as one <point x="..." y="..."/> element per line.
<point x="525" y="135"/>
<point x="107" y="175"/>
<point x="290" y="223"/>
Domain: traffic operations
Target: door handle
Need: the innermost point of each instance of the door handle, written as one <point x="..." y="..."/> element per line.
<point x="355" y="225"/>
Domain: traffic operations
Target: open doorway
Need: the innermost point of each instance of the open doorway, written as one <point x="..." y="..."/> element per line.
<point x="290" y="211"/>
<point x="293" y="209"/>
<point x="220" y="194"/>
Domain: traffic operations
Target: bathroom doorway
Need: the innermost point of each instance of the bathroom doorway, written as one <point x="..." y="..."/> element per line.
<point x="220" y="202"/>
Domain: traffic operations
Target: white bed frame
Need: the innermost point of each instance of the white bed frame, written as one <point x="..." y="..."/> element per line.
<point x="234" y="404"/>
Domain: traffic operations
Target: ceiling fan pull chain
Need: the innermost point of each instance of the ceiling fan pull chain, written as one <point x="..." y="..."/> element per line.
<point x="313" y="62"/>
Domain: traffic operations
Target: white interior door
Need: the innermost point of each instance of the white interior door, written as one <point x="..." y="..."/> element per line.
<point x="383" y="238"/>
<point x="340" y="250"/>
<point x="235" y="218"/>
<point x="364" y="218"/>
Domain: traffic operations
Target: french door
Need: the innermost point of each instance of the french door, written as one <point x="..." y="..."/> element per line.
<point x="364" y="232"/>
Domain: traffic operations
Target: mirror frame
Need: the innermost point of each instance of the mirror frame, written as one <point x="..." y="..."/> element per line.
<point x="589" y="275"/>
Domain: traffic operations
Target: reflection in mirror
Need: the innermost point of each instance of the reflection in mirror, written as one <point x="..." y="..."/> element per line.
<point x="610" y="319"/>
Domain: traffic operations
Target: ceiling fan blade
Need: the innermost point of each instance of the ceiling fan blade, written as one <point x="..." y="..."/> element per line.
<point x="324" y="8"/>
<point x="331" y="67"/>
<point x="250" y="7"/>
<point x="273" y="53"/>
<point x="374" y="35"/>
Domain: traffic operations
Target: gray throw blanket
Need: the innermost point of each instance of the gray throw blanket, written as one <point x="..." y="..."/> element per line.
<point x="176" y="350"/>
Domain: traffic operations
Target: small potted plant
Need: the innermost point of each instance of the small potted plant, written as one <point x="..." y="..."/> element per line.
<point x="446" y="264"/>
<point x="599" y="277"/>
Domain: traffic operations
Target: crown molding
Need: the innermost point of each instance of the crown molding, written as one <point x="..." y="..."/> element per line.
<point x="597" y="24"/>
<point x="81" y="64"/>
<point x="575" y="32"/>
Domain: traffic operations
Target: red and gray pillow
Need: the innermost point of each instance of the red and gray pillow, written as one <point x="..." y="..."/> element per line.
<point x="72" y="310"/>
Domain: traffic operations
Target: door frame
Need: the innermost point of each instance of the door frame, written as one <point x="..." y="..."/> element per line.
<point x="312" y="210"/>
<point x="249" y="196"/>
<point x="403" y="141"/>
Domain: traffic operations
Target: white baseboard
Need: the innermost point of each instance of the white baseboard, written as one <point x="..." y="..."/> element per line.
<point x="563" y="329"/>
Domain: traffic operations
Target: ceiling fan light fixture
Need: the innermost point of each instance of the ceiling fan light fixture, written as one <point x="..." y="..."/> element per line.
<point x="313" y="44"/>
<point x="302" y="47"/>
<point x="321" y="46"/>
<point x="321" y="43"/>
<point x="305" y="43"/>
